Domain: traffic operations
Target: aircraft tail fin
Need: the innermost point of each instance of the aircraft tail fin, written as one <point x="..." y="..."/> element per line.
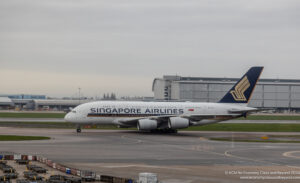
<point x="241" y="92"/>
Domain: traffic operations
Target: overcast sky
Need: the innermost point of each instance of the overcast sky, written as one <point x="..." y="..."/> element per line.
<point x="54" y="47"/>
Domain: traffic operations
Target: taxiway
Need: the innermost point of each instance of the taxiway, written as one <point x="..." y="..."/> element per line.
<point x="187" y="157"/>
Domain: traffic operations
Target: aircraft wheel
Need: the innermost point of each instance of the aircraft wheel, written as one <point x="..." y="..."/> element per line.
<point x="172" y="131"/>
<point x="78" y="130"/>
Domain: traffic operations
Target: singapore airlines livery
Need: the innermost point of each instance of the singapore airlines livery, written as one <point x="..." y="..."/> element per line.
<point x="169" y="116"/>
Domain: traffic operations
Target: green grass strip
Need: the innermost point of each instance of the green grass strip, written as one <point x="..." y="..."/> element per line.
<point x="246" y="127"/>
<point x="38" y="124"/>
<point x="57" y="125"/>
<point x="31" y="115"/>
<point x="241" y="127"/>
<point x="62" y="115"/>
<point x="262" y="141"/>
<point x="21" y="138"/>
<point x="271" y="117"/>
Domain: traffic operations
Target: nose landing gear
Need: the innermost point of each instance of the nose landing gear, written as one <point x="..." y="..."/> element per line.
<point x="78" y="130"/>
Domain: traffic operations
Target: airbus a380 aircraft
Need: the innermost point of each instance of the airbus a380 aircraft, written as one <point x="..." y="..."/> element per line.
<point x="169" y="116"/>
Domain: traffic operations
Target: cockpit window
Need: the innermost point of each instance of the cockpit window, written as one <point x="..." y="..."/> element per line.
<point x="73" y="111"/>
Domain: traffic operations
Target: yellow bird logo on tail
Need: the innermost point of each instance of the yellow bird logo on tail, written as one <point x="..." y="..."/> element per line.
<point x="239" y="90"/>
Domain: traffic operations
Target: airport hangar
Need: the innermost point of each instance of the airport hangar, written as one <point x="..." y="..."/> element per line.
<point x="283" y="95"/>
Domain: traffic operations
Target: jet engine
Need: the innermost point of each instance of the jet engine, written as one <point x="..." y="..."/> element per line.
<point x="146" y="124"/>
<point x="178" y="122"/>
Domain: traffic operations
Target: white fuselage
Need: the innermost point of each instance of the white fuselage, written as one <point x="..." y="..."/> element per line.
<point x="112" y="112"/>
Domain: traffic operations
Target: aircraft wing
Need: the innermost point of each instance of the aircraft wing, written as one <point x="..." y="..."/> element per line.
<point x="249" y="110"/>
<point x="133" y="121"/>
<point x="243" y="111"/>
<point x="199" y="117"/>
<point x="128" y="122"/>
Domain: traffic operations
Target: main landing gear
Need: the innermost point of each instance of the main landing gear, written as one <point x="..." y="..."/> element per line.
<point x="165" y="130"/>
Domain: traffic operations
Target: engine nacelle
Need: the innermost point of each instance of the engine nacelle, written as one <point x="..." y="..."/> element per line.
<point x="146" y="124"/>
<point x="178" y="122"/>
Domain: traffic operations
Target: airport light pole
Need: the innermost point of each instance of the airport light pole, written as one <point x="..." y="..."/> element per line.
<point x="79" y="94"/>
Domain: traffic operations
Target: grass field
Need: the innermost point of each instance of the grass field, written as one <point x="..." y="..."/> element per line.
<point x="262" y="141"/>
<point x="38" y="124"/>
<point x="246" y="127"/>
<point x="271" y="117"/>
<point x="21" y="138"/>
<point x="31" y="115"/>
<point x="62" y="115"/>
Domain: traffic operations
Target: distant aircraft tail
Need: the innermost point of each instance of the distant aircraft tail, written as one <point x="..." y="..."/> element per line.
<point x="241" y="92"/>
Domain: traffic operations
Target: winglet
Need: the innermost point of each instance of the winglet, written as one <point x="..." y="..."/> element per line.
<point x="241" y="92"/>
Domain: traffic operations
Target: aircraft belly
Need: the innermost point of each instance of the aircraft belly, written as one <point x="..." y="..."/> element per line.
<point x="101" y="120"/>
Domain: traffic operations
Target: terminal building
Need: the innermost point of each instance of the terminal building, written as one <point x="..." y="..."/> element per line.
<point x="38" y="102"/>
<point x="21" y="102"/>
<point x="56" y="104"/>
<point x="280" y="94"/>
<point x="6" y="103"/>
<point x="24" y="96"/>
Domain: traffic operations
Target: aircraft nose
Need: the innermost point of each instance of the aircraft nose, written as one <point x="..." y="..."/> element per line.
<point x="68" y="117"/>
